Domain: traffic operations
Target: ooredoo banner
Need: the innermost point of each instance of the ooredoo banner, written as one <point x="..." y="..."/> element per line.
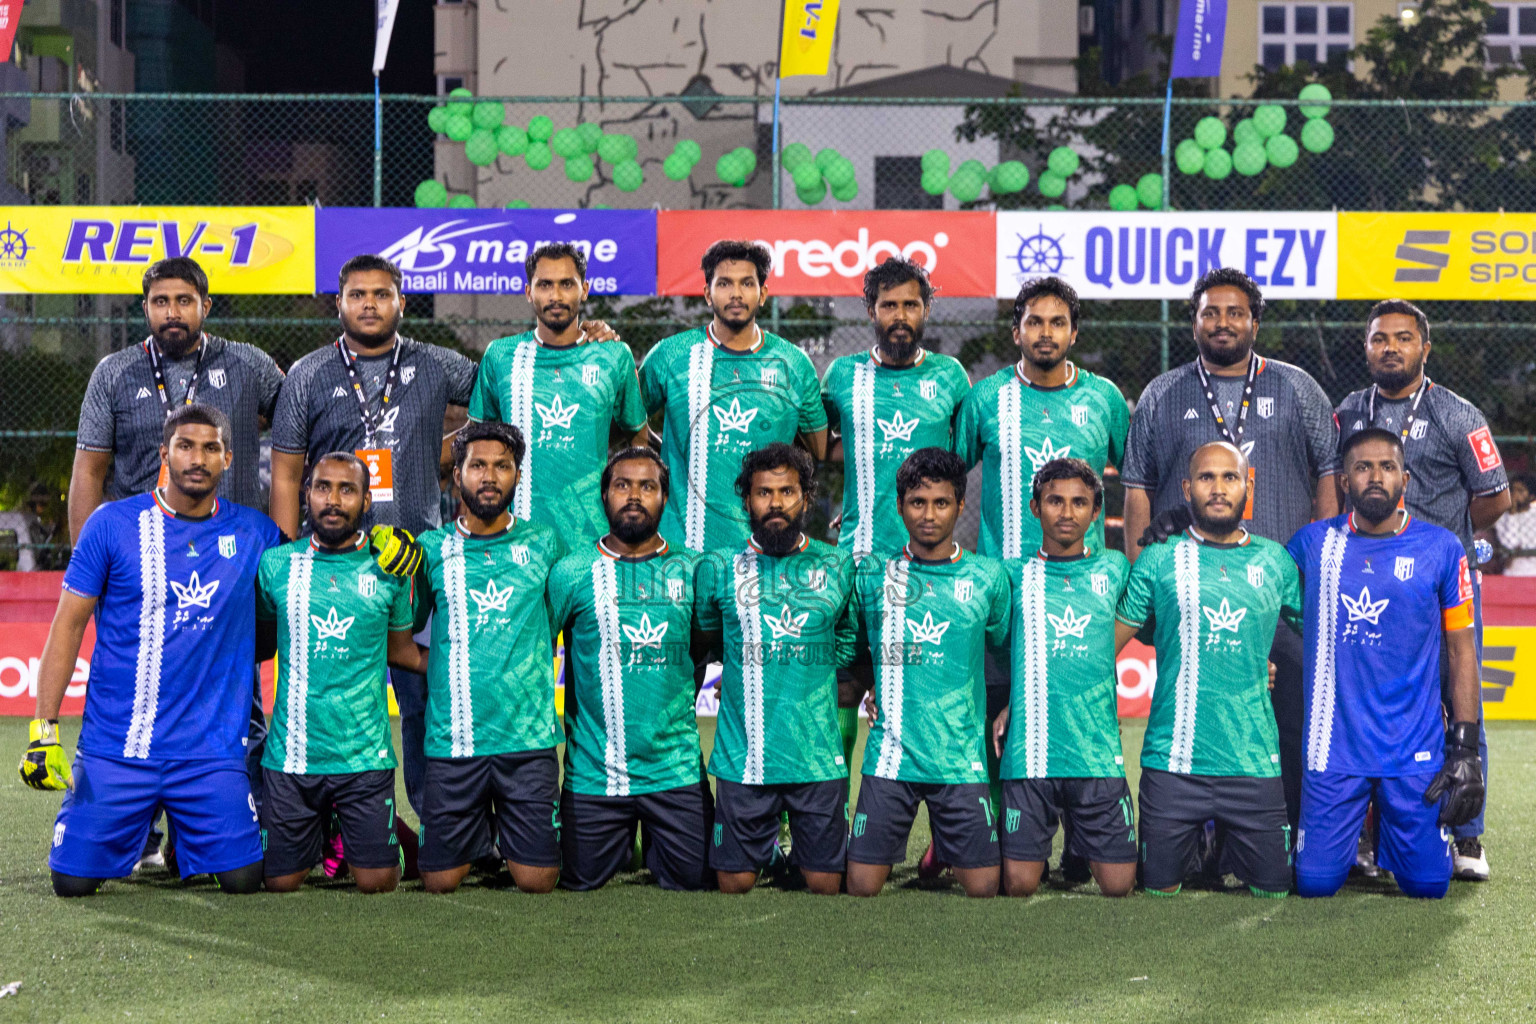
<point x="819" y="252"/>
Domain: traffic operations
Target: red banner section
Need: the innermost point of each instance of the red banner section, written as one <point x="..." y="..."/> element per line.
<point x="816" y="252"/>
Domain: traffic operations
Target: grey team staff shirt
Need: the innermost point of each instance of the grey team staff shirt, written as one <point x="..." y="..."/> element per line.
<point x="1450" y="453"/>
<point x="1290" y="439"/>
<point x="317" y="413"/>
<point x="122" y="414"/>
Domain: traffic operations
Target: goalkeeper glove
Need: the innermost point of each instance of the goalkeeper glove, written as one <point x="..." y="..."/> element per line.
<point x="1175" y="520"/>
<point x="396" y="551"/>
<point x="44" y="766"/>
<point x="1460" y="779"/>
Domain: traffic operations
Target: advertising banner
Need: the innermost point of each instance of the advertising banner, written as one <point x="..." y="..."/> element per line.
<point x="482" y="251"/>
<point x="818" y="252"/>
<point x="104" y="250"/>
<point x="1437" y="256"/>
<point x="1157" y="255"/>
<point x="1197" y="42"/>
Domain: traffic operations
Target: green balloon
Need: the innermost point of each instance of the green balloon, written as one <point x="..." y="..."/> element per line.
<point x="676" y="166"/>
<point x="1281" y="150"/>
<point x="617" y="148"/>
<point x="1009" y="177"/>
<point x="566" y="143"/>
<point x="1218" y="164"/>
<point x="431" y="194"/>
<point x="480" y="149"/>
<point x="511" y="140"/>
<point x="1249" y="159"/>
<point x="812" y="196"/>
<point x="966" y="186"/>
<point x="1189" y="157"/>
<point x="973" y="167"/>
<point x="461" y="202"/>
<point x="840" y="175"/>
<point x="1063" y="161"/>
<point x="806" y="176"/>
<point x="1316" y="99"/>
<point x="1051" y="184"/>
<point x="459" y="127"/>
<point x="578" y="167"/>
<point x="935" y="182"/>
<point x="1210" y="132"/>
<point x="935" y="160"/>
<point x="540" y="129"/>
<point x="846" y="193"/>
<point x="489" y="114"/>
<point x="793" y="155"/>
<point x="1055" y="206"/>
<point x="826" y="158"/>
<point x="1269" y="120"/>
<point x="461" y="101"/>
<point x="538" y="155"/>
<point x="519" y="204"/>
<point x="589" y="134"/>
<point x="747" y="159"/>
<point x="1122" y="198"/>
<point x="1317" y="136"/>
<point x="437" y="119"/>
<point x="690" y="149"/>
<point x="1245" y="131"/>
<point x="1149" y="191"/>
<point x="628" y="177"/>
<point x="728" y="168"/>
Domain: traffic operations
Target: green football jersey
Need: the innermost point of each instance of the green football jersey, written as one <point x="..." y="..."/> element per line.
<point x="1063" y="713"/>
<point x="1214" y="608"/>
<point x="490" y="677"/>
<point x="928" y="625"/>
<point x="786" y="627"/>
<point x="718" y="405"/>
<point x="334" y="611"/>
<point x="564" y="400"/>
<point x="629" y="691"/>
<point x="1013" y="428"/>
<point x="884" y="414"/>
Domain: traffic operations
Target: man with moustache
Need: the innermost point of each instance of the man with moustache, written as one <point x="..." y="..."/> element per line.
<point x="1213" y="595"/>
<point x="491" y="723"/>
<point x="571" y="398"/>
<point x="1276" y="416"/>
<point x="724" y="391"/>
<point x="779" y="608"/>
<point x="338" y="616"/>
<point x="1456" y="477"/>
<point x="1386" y="593"/>
<point x="625" y="604"/>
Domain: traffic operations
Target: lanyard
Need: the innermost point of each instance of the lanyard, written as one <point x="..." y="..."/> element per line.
<point x="157" y="367"/>
<point x="349" y="360"/>
<point x="1242" y="413"/>
<point x="1413" y="409"/>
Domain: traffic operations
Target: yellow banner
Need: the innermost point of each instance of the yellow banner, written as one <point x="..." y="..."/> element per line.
<point x="1437" y="256"/>
<point x="104" y="250"/>
<point x="805" y="45"/>
<point x="1509" y="672"/>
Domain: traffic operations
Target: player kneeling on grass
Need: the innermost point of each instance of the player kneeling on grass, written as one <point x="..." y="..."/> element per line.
<point x="927" y="616"/>
<point x="491" y="722"/>
<point x="625" y="603"/>
<point x="778" y="607"/>
<point x="339" y="618"/>
<point x="1384" y="592"/>
<point x="1059" y="738"/>
<point x="1213" y="596"/>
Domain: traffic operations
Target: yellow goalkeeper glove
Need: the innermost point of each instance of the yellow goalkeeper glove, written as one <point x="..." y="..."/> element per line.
<point x="44" y="765"/>
<point x="396" y="551"/>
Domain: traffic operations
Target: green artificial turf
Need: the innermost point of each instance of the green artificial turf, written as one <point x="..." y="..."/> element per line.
<point x="158" y="950"/>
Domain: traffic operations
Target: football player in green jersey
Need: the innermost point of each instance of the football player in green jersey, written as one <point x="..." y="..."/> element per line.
<point x="573" y="399"/>
<point x="926" y="617"/>
<point x="491" y="723"/>
<point x="1059" y="738"/>
<point x="724" y="391"/>
<point x="778" y="607"/>
<point x="625" y="603"/>
<point x="1213" y="597"/>
<point x="339" y="617"/>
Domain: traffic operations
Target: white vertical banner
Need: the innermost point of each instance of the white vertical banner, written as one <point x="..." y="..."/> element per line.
<point x="384" y="25"/>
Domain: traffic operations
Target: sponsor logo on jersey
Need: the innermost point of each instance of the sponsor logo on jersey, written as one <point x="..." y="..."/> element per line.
<point x="217" y="378"/>
<point x="787" y="623"/>
<point x="647" y="634"/>
<point x="407" y="374"/>
<point x="332" y="627"/>
<point x="492" y="598"/>
<point x="734" y="418"/>
<point x="928" y="388"/>
<point x="1419" y="429"/>
<point x="557" y="415"/>
<point x="589" y="372"/>
<point x="367" y="585"/>
<point x="1100" y="583"/>
<point x="1403" y="568"/>
<point x="1486" y="451"/>
<point x="1011" y="819"/>
<point x="1069" y="624"/>
<point x="227" y="545"/>
<point x="387" y="421"/>
<point x="898" y="427"/>
<point x="1265" y="407"/>
<point x="674" y="590"/>
<point x="1190" y="414"/>
<point x="1464" y="580"/>
<point x="963" y="590"/>
<point x="142" y="393"/>
<point x="58" y="834"/>
<point x="195" y="594"/>
<point x="1047" y="451"/>
<point x="519" y="553"/>
<point x="1225" y="617"/>
<point x="928" y="631"/>
<point x="1362" y="608"/>
<point x="860" y="820"/>
<point x="1079" y="415"/>
<point x="1256" y="575"/>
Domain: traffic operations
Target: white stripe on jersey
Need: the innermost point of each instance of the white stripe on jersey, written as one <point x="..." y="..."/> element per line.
<point x="605" y="601"/>
<point x="864" y="457"/>
<point x="520" y="409"/>
<point x="1325" y="672"/>
<point x="893" y="624"/>
<point x="746" y="588"/>
<point x="296" y="743"/>
<point x="146" y="681"/>
<point x="461" y="716"/>
<point x="1186" y="693"/>
<point x="701" y="372"/>
<point x="1036" y="702"/>
<point x="1011" y="481"/>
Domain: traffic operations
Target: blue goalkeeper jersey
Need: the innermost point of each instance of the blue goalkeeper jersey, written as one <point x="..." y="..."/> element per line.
<point x="175" y="628"/>
<point x="1376" y="607"/>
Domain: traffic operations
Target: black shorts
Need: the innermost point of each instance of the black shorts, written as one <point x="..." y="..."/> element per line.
<point x="1251" y="828"/>
<point x="1095" y="814"/>
<point x="960" y="816"/>
<point x="462" y="796"/>
<point x="298" y="807"/>
<point x="747" y="823"/>
<point x="597" y="836"/>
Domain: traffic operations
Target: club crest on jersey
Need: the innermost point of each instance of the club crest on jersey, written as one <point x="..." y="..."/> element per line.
<point x="227" y="545"/>
<point x="963" y="590"/>
<point x="519" y="553"/>
<point x="928" y="388"/>
<point x="770" y="376"/>
<point x="1419" y="429"/>
<point x="1079" y="415"/>
<point x="217" y="378"/>
<point x="1256" y="575"/>
<point x="674" y="590"/>
<point x="1265" y="407"/>
<point x="367" y="585"/>
<point x="407" y="374"/>
<point x="589" y="374"/>
<point x="1403" y="569"/>
<point x="1100" y="583"/>
<point x="817" y="579"/>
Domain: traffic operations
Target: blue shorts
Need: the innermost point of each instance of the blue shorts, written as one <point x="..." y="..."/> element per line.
<point x="1410" y="841"/>
<point x="102" y="824"/>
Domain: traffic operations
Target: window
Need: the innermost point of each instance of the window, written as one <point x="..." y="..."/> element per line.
<point x="1315" y="33"/>
<point x="1510" y="28"/>
<point x="447" y="83"/>
<point x="898" y="185"/>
